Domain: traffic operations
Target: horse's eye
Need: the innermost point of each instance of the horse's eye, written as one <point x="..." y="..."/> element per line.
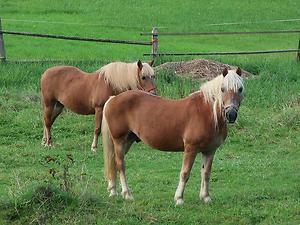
<point x="240" y="90"/>
<point x="143" y="77"/>
<point x="222" y="89"/>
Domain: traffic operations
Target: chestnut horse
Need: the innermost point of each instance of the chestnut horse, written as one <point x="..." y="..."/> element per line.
<point x="197" y="123"/>
<point x="86" y="93"/>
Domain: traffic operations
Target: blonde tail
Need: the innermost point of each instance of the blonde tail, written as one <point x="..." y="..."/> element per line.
<point x="108" y="149"/>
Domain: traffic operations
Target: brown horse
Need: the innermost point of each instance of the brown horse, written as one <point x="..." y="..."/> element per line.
<point x="86" y="93"/>
<point x="197" y="123"/>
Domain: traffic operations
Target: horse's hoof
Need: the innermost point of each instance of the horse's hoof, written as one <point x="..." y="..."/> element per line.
<point x="113" y="193"/>
<point x="94" y="149"/>
<point x="206" y="199"/>
<point x="127" y="196"/>
<point x="179" y="201"/>
<point x="48" y="145"/>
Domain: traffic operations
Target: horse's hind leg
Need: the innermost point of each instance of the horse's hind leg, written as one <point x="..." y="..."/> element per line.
<point x="98" y="119"/>
<point x="51" y="112"/>
<point x="205" y="174"/>
<point x="112" y="181"/>
<point x="121" y="147"/>
<point x="189" y="156"/>
<point x="48" y="110"/>
<point x="58" y="108"/>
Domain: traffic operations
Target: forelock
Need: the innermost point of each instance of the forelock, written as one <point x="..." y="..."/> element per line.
<point x="147" y="70"/>
<point x="232" y="81"/>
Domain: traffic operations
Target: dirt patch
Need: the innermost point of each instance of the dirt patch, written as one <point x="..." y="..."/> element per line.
<point x="199" y="68"/>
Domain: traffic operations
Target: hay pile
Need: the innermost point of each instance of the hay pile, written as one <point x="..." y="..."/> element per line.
<point x="198" y="68"/>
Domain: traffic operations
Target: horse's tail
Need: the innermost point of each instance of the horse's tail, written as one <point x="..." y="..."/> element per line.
<point x="108" y="148"/>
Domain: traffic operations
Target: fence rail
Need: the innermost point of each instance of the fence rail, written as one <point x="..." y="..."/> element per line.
<point x="75" y="38"/>
<point x="224" y="53"/>
<point x="154" y="42"/>
<point x="222" y="33"/>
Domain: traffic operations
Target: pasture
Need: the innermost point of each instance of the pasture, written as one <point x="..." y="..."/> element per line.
<point x="255" y="176"/>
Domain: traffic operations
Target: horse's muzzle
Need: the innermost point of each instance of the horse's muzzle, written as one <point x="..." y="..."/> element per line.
<point x="231" y="114"/>
<point x="152" y="91"/>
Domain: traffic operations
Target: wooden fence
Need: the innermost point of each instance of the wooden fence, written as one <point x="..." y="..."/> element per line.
<point x="155" y="40"/>
<point x="3" y="57"/>
<point x="156" y="53"/>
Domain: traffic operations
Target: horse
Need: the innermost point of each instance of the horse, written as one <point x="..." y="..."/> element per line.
<point x="86" y="93"/>
<point x="194" y="124"/>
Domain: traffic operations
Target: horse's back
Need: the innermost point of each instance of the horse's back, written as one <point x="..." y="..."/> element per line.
<point x="130" y="101"/>
<point x="71" y="87"/>
<point x="58" y="78"/>
<point x="118" y="109"/>
<point x="60" y="72"/>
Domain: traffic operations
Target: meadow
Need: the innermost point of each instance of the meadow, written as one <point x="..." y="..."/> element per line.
<point x="255" y="177"/>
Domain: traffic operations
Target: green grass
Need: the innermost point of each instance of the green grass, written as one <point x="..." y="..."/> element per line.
<point x="255" y="176"/>
<point x="111" y="19"/>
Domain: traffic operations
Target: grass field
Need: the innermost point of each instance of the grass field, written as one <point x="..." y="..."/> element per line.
<point x="255" y="177"/>
<point x="110" y="19"/>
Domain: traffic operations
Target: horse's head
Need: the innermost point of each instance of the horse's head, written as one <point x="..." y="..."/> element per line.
<point x="146" y="77"/>
<point x="232" y="93"/>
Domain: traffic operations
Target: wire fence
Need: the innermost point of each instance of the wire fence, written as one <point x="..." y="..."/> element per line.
<point x="75" y="38"/>
<point x="223" y="53"/>
<point x="154" y="41"/>
<point x="222" y="33"/>
<point x="14" y="20"/>
<point x="155" y="35"/>
<point x="256" y="22"/>
<point x="70" y="23"/>
<point x="63" y="37"/>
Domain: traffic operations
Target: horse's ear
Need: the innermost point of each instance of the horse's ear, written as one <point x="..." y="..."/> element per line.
<point x="140" y="65"/>
<point x="239" y="71"/>
<point x="151" y="62"/>
<point x="225" y="72"/>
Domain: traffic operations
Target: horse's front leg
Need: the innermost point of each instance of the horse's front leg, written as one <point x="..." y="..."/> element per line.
<point x="98" y="120"/>
<point x="205" y="175"/>
<point x="189" y="156"/>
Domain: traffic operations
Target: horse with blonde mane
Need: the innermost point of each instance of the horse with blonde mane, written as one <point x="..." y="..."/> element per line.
<point x="195" y="124"/>
<point x="86" y="93"/>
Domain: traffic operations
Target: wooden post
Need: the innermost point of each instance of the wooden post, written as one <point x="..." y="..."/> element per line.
<point x="154" y="41"/>
<point x="298" y="54"/>
<point x="2" y="49"/>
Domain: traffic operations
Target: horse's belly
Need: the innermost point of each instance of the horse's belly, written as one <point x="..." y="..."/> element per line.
<point x="79" y="107"/>
<point x="163" y="142"/>
<point x="83" y="111"/>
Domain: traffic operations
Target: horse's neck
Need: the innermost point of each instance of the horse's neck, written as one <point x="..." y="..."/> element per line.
<point x="97" y="81"/>
<point x="215" y="106"/>
<point x="95" y="77"/>
<point x="103" y="86"/>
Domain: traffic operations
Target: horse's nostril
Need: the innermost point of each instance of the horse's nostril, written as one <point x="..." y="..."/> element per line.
<point x="231" y="115"/>
<point x="153" y="92"/>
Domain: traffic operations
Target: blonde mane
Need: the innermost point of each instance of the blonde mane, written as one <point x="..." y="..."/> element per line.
<point x="124" y="76"/>
<point x="212" y="90"/>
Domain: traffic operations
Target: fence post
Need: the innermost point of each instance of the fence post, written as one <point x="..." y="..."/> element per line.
<point x="154" y="41"/>
<point x="298" y="54"/>
<point x="2" y="50"/>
